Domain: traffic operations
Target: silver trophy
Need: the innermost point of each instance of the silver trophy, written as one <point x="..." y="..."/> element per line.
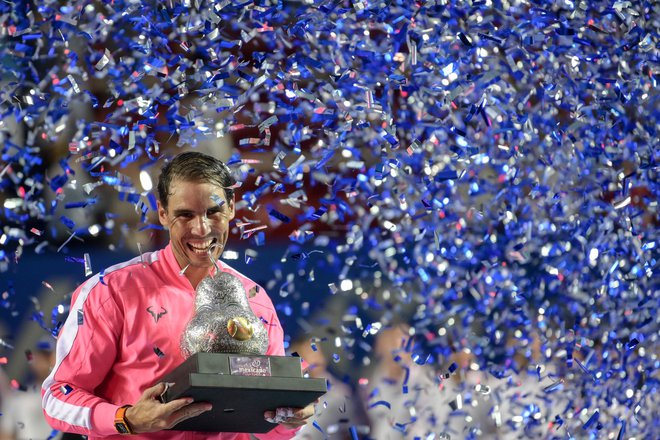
<point x="223" y="320"/>
<point x="226" y="365"/>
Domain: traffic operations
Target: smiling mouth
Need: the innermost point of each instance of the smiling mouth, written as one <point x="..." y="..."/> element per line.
<point x="202" y="247"/>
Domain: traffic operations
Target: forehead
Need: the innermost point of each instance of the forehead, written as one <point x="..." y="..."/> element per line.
<point x="192" y="193"/>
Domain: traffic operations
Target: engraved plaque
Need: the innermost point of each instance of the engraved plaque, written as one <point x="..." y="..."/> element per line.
<point x="249" y="366"/>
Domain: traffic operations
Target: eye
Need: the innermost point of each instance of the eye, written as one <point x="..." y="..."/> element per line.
<point x="186" y="215"/>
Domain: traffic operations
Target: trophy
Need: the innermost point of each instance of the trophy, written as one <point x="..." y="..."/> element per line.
<point x="223" y="321"/>
<point x="225" y="345"/>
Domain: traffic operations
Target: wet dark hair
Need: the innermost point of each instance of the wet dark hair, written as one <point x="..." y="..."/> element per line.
<point x="193" y="166"/>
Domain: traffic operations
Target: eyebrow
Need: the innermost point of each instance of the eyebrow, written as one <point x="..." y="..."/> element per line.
<point x="213" y="209"/>
<point x="182" y="211"/>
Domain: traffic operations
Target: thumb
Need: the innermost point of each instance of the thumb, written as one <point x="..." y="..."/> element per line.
<point x="155" y="391"/>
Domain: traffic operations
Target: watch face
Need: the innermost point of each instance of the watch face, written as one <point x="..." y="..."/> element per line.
<point x="121" y="428"/>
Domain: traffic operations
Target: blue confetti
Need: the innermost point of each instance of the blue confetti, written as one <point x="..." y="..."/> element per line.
<point x="484" y="171"/>
<point x="381" y="403"/>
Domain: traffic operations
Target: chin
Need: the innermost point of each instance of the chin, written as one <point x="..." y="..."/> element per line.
<point x="203" y="260"/>
<point x="200" y="260"/>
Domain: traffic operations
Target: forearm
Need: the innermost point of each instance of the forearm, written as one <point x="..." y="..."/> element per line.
<point x="86" y="349"/>
<point x="78" y="411"/>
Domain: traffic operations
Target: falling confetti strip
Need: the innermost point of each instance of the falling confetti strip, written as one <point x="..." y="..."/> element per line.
<point x="486" y="171"/>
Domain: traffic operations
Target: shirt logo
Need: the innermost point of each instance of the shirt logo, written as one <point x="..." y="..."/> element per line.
<point x="155" y="315"/>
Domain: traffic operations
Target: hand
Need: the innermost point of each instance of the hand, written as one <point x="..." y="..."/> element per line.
<point x="150" y="415"/>
<point x="291" y="418"/>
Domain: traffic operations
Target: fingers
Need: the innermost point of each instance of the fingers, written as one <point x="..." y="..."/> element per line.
<point x="178" y="404"/>
<point x="150" y="414"/>
<point x="154" y="391"/>
<point x="170" y="407"/>
<point x="293" y="417"/>
<point x="309" y="410"/>
<point x="189" y="411"/>
<point x="167" y="415"/>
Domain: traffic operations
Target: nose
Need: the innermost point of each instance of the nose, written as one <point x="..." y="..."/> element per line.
<point x="201" y="226"/>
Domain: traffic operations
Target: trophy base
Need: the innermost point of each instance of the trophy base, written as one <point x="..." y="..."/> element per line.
<point x="240" y="388"/>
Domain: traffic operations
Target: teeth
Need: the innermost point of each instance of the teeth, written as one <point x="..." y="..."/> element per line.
<point x="201" y="247"/>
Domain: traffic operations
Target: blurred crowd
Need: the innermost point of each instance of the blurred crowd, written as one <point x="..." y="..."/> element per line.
<point x="392" y="398"/>
<point x="386" y="392"/>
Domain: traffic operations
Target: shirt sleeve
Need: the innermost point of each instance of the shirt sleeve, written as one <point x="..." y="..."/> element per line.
<point x="86" y="350"/>
<point x="279" y="433"/>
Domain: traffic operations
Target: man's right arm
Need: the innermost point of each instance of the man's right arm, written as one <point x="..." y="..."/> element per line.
<point x="86" y="350"/>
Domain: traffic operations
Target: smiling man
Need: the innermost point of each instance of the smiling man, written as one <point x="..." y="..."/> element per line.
<point x="196" y="204"/>
<point x="125" y="325"/>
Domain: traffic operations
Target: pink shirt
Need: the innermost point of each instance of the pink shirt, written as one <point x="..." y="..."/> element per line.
<point x="121" y="335"/>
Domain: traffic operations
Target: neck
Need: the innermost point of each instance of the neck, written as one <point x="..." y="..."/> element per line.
<point x="195" y="275"/>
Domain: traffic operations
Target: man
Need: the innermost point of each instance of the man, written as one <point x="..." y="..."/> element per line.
<point x="125" y="324"/>
<point x="22" y="418"/>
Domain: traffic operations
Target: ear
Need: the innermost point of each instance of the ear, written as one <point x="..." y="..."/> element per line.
<point x="232" y="211"/>
<point x="162" y="215"/>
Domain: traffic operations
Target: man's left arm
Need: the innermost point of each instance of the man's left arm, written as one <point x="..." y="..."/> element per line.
<point x="289" y="420"/>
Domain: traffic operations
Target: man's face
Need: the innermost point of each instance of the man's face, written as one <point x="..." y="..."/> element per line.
<point x="198" y="216"/>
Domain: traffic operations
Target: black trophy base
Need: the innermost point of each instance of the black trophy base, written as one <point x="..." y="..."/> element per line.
<point x="240" y="388"/>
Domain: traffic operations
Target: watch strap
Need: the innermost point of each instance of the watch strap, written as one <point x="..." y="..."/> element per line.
<point x="120" y="420"/>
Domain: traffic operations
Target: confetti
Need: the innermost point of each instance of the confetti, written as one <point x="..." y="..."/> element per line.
<point x="381" y="403"/>
<point x="486" y="164"/>
<point x="88" y="265"/>
<point x="592" y="420"/>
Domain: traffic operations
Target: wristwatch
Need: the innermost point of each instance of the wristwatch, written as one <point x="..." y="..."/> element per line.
<point x="120" y="420"/>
